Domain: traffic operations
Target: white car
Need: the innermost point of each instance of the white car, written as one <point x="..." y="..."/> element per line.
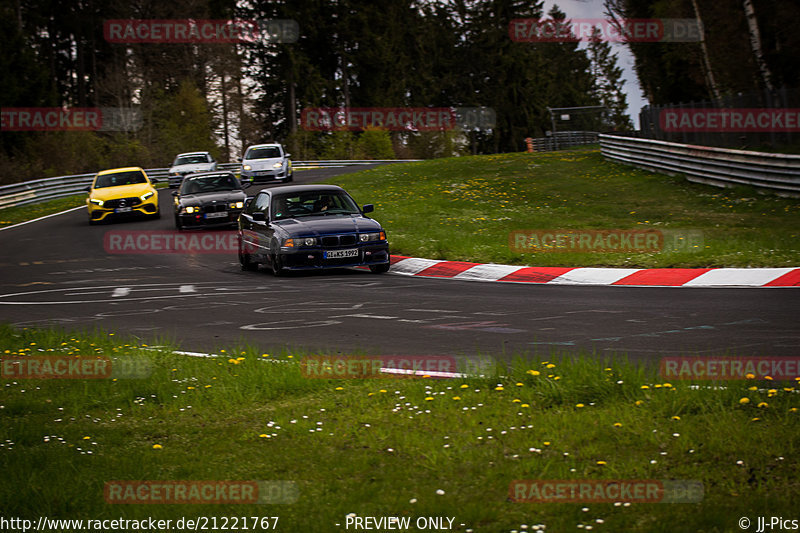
<point x="189" y="163"/>
<point x="265" y="163"/>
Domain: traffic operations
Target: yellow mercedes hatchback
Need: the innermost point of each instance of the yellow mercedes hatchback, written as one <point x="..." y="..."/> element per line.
<point x="122" y="192"/>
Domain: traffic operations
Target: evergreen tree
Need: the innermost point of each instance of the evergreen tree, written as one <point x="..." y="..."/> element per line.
<point x="608" y="84"/>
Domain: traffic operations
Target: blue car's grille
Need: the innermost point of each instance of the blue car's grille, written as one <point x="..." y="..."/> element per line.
<point x="338" y="240"/>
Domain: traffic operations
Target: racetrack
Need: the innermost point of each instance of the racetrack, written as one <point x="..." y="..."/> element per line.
<point x="56" y="272"/>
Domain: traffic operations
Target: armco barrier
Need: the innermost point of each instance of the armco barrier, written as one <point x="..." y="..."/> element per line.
<point x="35" y="191"/>
<point x="722" y="167"/>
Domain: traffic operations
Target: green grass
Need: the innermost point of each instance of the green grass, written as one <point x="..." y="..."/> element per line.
<point x="14" y="215"/>
<point x="372" y="446"/>
<point x="463" y="209"/>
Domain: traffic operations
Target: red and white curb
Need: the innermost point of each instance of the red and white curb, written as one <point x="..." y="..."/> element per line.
<point x="644" y="277"/>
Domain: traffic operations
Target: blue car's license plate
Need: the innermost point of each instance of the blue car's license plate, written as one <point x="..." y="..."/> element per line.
<point x="337" y="254"/>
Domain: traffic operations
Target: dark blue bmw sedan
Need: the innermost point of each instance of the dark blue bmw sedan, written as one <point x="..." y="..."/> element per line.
<point x="307" y="227"/>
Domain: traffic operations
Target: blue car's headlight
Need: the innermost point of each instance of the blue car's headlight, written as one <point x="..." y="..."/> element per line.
<point x="367" y="237"/>
<point x="298" y="242"/>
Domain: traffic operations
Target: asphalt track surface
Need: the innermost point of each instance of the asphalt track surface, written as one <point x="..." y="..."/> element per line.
<point x="56" y="271"/>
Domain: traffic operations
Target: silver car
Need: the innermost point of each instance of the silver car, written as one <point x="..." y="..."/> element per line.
<point x="266" y="163"/>
<point x="190" y="163"/>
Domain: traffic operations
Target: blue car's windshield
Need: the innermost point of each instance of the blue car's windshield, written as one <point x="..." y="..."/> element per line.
<point x="319" y="203"/>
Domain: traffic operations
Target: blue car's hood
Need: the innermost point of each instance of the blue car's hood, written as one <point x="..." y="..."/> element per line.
<point x="325" y="225"/>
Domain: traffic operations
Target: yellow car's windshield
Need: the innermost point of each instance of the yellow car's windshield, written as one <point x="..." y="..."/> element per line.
<point x="120" y="178"/>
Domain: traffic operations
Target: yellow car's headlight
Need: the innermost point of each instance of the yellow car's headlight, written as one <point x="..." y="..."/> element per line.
<point x="147" y="195"/>
<point x="95" y="201"/>
<point x="237" y="205"/>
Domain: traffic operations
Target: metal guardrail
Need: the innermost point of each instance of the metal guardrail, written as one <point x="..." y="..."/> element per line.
<point x="721" y="167"/>
<point x="42" y="190"/>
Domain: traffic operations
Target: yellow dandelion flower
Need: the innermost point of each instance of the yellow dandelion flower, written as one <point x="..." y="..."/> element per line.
<point x="382" y="390"/>
<point x="429" y="398"/>
<point x="676" y="417"/>
<point x="617" y="424"/>
<point x="524" y="405"/>
<point x="263" y="436"/>
<point x="456" y="398"/>
<point x="157" y="446"/>
<point x="533" y="372"/>
<point x="756" y="419"/>
<point x="464" y="386"/>
<point x="499" y="387"/>
<point x="744" y="400"/>
<point x="579" y="405"/>
<point x="768" y="378"/>
<point x="643" y="387"/>
<point x="763" y="404"/>
<point x="749" y="375"/>
<point x="601" y="463"/>
<point x="339" y="388"/>
<point x="752" y="388"/>
<point x="520" y="384"/>
<point x="638" y="402"/>
<point x="667" y="385"/>
<point x="551" y="365"/>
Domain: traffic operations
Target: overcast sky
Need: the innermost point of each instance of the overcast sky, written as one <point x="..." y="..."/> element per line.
<point x="588" y="9"/>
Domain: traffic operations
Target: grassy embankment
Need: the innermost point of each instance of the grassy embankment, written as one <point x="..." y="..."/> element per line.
<point x="386" y="446"/>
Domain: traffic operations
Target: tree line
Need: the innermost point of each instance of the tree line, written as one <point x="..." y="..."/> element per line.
<point x="348" y="53"/>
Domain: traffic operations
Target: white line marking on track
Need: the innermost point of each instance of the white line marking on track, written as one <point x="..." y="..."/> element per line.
<point x="42" y="218"/>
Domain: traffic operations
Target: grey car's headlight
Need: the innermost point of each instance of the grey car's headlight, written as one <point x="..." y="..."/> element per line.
<point x="366" y="237"/>
<point x="277" y="165"/>
<point x="298" y="242"/>
<point x="146" y="195"/>
<point x="95" y="201"/>
<point x="247" y="167"/>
